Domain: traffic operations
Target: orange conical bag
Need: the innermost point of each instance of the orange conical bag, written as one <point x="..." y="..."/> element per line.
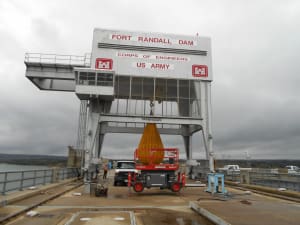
<point x="150" y="140"/>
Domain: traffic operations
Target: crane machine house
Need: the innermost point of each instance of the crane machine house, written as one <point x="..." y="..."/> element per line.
<point x="127" y="76"/>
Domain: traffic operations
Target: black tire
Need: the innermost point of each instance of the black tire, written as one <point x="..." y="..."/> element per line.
<point x="101" y="192"/>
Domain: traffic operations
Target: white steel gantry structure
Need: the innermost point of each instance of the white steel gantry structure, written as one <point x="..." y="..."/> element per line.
<point x="127" y="75"/>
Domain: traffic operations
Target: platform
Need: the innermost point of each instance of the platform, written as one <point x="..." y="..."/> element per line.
<point x="155" y="206"/>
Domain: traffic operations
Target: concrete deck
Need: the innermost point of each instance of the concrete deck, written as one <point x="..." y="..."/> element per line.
<point x="154" y="206"/>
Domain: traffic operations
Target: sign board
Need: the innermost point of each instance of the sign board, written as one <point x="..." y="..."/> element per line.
<point x="152" y="54"/>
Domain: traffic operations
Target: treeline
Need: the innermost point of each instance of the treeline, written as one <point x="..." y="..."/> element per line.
<point x="258" y="163"/>
<point x="45" y="160"/>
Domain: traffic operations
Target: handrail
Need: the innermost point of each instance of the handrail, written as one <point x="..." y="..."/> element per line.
<point x="84" y="60"/>
<point x="265" y="178"/>
<point x="18" y="180"/>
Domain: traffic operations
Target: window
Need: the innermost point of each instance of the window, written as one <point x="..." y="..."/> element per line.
<point x="104" y="79"/>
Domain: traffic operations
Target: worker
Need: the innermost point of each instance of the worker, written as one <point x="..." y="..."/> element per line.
<point x="105" y="169"/>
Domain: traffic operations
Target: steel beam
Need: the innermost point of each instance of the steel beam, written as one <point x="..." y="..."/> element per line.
<point x="139" y="130"/>
<point x="150" y="119"/>
<point x="53" y="84"/>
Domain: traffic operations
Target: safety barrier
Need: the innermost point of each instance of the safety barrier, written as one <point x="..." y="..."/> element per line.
<point x="267" y="178"/>
<point x="19" y="180"/>
<point x="84" y="60"/>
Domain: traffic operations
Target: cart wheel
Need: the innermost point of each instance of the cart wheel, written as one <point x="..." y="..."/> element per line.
<point x="138" y="187"/>
<point x="176" y="187"/>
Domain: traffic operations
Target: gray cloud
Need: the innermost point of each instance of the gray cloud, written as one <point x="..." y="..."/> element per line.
<point x="255" y="48"/>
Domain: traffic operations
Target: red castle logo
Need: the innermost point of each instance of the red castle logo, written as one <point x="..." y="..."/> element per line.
<point x="104" y="64"/>
<point x="200" y="71"/>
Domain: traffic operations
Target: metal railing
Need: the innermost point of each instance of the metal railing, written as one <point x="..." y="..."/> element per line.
<point x="276" y="180"/>
<point x="19" y="180"/>
<point x="59" y="59"/>
<point x="267" y="178"/>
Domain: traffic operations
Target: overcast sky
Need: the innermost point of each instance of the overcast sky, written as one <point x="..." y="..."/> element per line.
<point x="256" y="70"/>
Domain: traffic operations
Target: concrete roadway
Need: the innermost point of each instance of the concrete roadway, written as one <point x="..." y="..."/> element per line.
<point x="158" y="207"/>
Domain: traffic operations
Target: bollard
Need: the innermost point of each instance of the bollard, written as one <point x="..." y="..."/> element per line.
<point x="129" y="183"/>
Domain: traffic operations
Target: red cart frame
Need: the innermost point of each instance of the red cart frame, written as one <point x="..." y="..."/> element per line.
<point x="170" y="159"/>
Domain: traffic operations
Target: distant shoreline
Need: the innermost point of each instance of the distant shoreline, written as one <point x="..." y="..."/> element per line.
<point x="39" y="160"/>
